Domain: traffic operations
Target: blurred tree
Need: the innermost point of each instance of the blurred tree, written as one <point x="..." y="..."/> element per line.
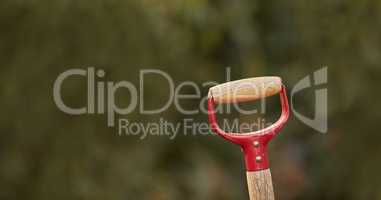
<point x="47" y="154"/>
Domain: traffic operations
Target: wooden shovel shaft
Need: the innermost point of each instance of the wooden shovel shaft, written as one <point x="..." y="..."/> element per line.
<point x="260" y="185"/>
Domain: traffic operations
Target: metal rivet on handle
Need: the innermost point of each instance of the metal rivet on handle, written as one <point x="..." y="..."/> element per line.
<point x="258" y="158"/>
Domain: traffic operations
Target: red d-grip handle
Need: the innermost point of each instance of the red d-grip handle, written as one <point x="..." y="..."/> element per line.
<point x="254" y="144"/>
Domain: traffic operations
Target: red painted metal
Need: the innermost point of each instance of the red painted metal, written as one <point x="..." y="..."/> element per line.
<point x="256" y="157"/>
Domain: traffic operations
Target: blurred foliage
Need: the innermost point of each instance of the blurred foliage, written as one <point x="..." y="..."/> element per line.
<point x="47" y="154"/>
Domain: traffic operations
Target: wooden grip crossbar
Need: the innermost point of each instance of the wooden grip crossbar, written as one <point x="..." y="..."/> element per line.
<point x="246" y="89"/>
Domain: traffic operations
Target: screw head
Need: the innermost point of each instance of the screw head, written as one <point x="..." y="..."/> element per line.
<point x="258" y="158"/>
<point x="256" y="144"/>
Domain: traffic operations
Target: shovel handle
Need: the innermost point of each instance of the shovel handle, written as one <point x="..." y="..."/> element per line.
<point x="260" y="185"/>
<point x="246" y="89"/>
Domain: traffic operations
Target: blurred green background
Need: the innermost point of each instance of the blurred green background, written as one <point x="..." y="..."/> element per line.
<point x="47" y="154"/>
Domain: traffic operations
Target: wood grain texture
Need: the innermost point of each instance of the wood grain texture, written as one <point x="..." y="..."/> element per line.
<point x="246" y="89"/>
<point x="260" y="185"/>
